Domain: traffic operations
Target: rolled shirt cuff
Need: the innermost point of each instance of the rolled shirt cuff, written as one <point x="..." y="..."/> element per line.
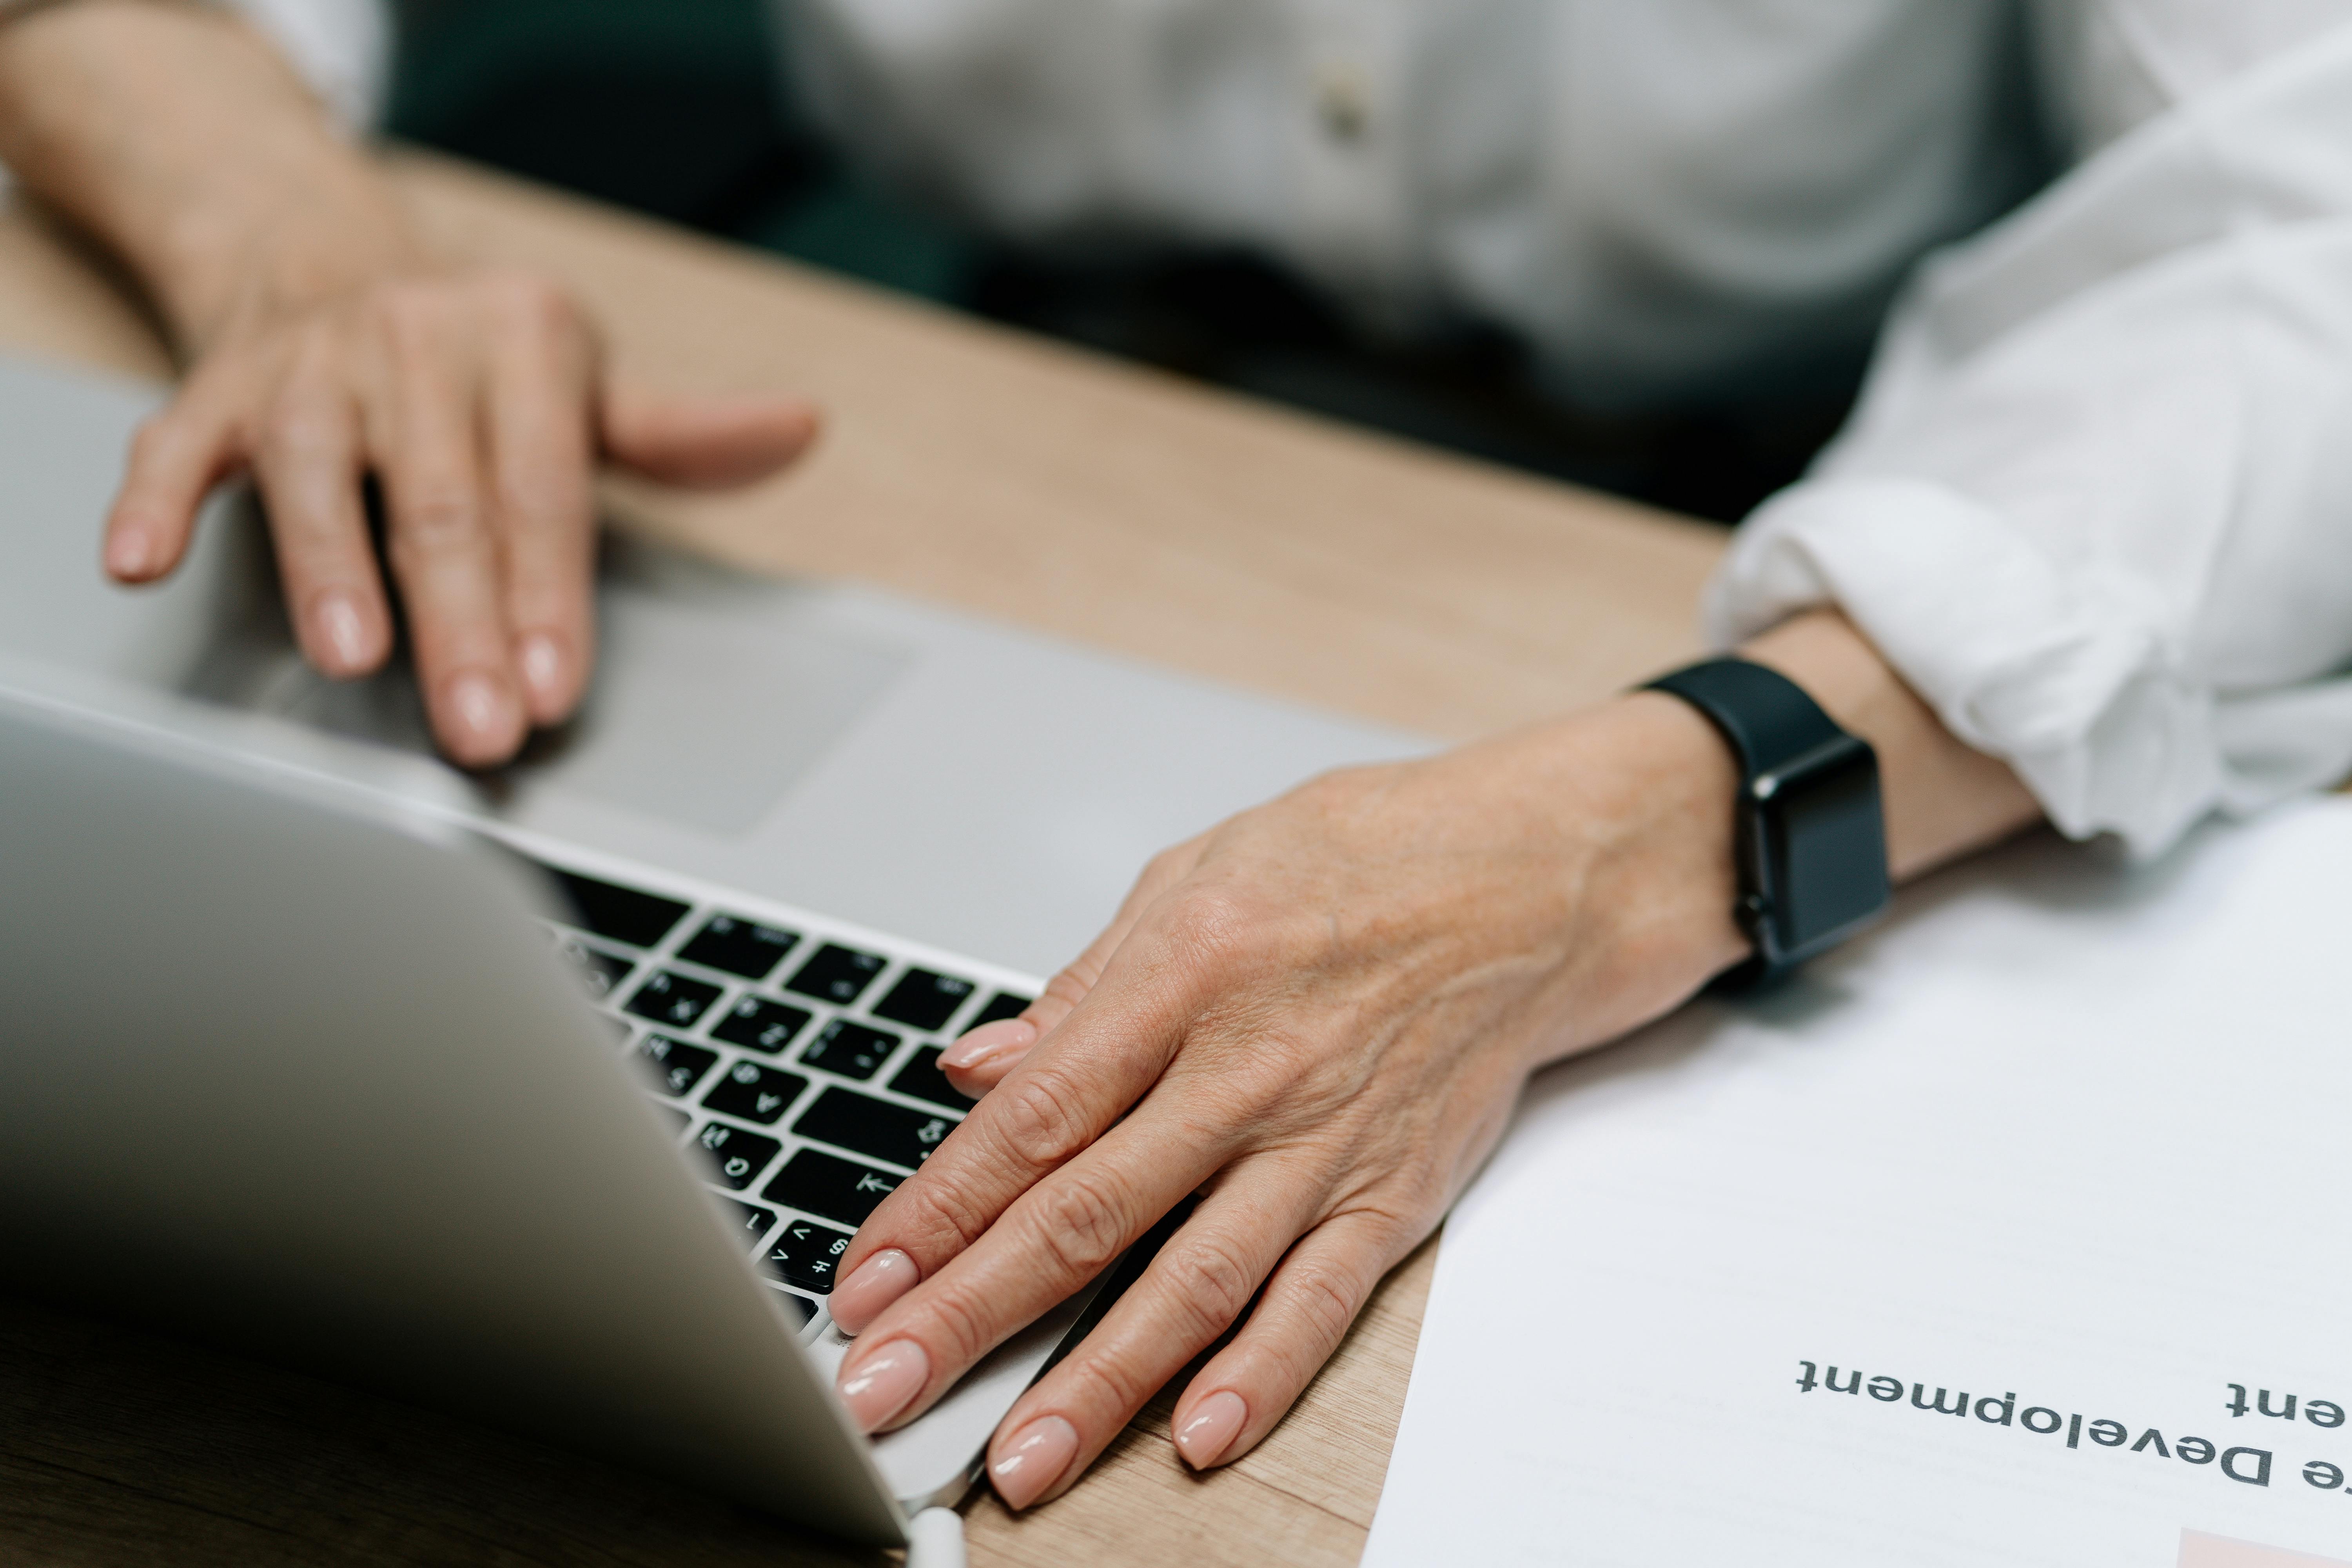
<point x="2071" y="672"/>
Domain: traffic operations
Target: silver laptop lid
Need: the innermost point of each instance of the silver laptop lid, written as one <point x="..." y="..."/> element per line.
<point x="250" y="1086"/>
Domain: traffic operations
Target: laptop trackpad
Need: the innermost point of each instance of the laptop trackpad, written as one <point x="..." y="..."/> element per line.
<point x="713" y="697"/>
<point x="708" y="720"/>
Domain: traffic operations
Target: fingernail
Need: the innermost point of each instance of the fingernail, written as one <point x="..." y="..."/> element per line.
<point x="543" y="671"/>
<point x="336" y="621"/>
<point x="485" y="714"/>
<point x="128" y="551"/>
<point x="1034" y="1460"/>
<point x="885" y="1382"/>
<point x="990" y="1041"/>
<point x="859" y="1298"/>
<point x="1216" y="1422"/>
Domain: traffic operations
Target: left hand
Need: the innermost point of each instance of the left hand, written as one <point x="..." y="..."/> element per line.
<point x="1317" y="1017"/>
<point x="329" y="345"/>
<point x="482" y="401"/>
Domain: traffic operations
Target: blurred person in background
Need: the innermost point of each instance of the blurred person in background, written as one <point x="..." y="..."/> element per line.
<point x="2079" y="555"/>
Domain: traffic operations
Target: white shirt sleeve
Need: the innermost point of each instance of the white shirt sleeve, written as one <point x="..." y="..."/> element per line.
<point x="342" y="49"/>
<point x="2096" y="503"/>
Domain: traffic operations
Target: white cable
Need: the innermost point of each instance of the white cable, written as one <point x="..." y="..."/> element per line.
<point x="935" y="1540"/>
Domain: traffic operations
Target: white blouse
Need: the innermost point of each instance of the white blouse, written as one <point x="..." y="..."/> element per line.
<point x="2096" y="503"/>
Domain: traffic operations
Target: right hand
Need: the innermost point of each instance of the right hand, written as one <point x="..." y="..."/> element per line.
<point x="480" y="401"/>
<point x="1317" y="1019"/>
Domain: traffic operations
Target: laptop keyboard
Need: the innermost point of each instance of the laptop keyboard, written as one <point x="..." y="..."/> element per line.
<point x="803" y="1071"/>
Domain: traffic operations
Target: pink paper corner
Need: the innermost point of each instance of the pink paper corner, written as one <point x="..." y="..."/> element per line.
<point x="2201" y="1551"/>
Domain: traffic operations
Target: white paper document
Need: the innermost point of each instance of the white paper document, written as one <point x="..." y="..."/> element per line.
<point x="2018" y="1233"/>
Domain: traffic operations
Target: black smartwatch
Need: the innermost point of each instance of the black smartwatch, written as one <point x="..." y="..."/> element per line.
<point x="1809" y="835"/>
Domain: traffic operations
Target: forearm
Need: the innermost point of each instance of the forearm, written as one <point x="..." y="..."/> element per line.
<point x="181" y="141"/>
<point x="1943" y="800"/>
<point x="1643" y="787"/>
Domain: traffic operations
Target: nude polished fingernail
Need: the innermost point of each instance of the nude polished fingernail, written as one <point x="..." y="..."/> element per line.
<point x="1215" y="1422"/>
<point x="885" y="1382"/>
<point x="341" y="632"/>
<point x="990" y="1041"/>
<point x="128" y="552"/>
<point x="873" y="1285"/>
<point x="1034" y="1460"/>
<point x="485" y="711"/>
<point x="542" y="670"/>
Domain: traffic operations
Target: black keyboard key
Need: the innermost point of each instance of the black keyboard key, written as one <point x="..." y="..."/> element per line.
<point x="603" y="970"/>
<point x="737" y="1156"/>
<point x="922" y="1000"/>
<point x="756" y="1220"/>
<point x="677" y="1066"/>
<point x="893" y="1132"/>
<point x="740" y="947"/>
<point x="673" y="999"/>
<point x="754" y="1093"/>
<point x="625" y="914"/>
<point x="922" y="1079"/>
<point x="827" y="1185"/>
<point x="1003" y="1004"/>
<point x="837" y="975"/>
<point x="757" y="1023"/>
<point x="853" y="1050"/>
<point x="803" y="1253"/>
<point x="799" y="1307"/>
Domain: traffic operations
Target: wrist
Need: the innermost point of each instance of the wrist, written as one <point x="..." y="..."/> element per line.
<point x="1942" y="799"/>
<point x="293" y="238"/>
<point x="1645" y="787"/>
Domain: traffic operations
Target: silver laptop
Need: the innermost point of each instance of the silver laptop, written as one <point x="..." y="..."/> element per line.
<point x="551" y="1096"/>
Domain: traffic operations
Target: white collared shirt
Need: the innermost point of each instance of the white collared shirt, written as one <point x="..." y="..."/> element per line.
<point x="2096" y="505"/>
<point x="2096" y="502"/>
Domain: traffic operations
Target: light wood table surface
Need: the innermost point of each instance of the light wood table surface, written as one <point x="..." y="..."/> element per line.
<point x="971" y="467"/>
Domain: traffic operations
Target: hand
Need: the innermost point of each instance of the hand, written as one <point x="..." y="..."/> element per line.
<point x="329" y="346"/>
<point x="1318" y="1017"/>
<point x="479" y="401"/>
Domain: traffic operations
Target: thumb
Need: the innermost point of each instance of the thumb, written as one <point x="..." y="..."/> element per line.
<point x="704" y="443"/>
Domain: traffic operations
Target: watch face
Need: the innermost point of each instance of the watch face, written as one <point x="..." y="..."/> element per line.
<point x="1823" y="842"/>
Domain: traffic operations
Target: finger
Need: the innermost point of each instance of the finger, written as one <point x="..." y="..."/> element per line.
<point x="422" y="433"/>
<point x="1307" y="1307"/>
<point x="981" y="1060"/>
<point x="1053" y="1241"/>
<point x="704" y="443"/>
<point x="1198" y="1286"/>
<point x="1061" y="1099"/>
<point x="542" y="449"/>
<point x="306" y="461"/>
<point x="175" y="459"/>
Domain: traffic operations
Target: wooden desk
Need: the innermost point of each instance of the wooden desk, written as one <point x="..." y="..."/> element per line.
<point x="971" y="466"/>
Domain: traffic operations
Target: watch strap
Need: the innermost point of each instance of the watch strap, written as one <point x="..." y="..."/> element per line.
<point x="1773" y="727"/>
<point x="1766" y="716"/>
